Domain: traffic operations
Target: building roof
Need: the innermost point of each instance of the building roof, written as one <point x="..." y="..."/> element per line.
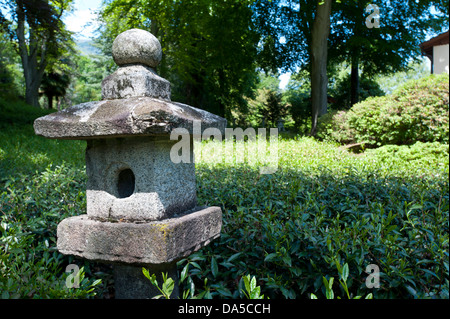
<point x="427" y="46"/>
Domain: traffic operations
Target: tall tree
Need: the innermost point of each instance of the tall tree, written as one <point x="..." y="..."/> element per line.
<point x="36" y="28"/>
<point x="301" y="30"/>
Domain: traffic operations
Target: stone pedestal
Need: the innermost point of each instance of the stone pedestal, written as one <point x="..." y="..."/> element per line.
<point x="157" y="242"/>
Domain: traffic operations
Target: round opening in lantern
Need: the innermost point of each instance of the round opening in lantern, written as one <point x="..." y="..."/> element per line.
<point x="125" y="183"/>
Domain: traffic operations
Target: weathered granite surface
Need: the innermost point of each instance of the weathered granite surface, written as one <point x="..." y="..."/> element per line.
<point x="159" y="189"/>
<point x="156" y="242"/>
<point x="141" y="206"/>
<point x="137" y="46"/>
<point x="124" y="117"/>
<point x="135" y="80"/>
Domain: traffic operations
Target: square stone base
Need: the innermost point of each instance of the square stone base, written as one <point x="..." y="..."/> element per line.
<point x="157" y="242"/>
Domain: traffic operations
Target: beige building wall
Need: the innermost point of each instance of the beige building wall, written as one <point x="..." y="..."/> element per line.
<point x="440" y="57"/>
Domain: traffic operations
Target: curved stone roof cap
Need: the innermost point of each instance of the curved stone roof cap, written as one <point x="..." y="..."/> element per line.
<point x="141" y="116"/>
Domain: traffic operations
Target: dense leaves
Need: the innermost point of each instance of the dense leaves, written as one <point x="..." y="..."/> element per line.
<point x="32" y="206"/>
<point x="39" y="36"/>
<point x="289" y="229"/>
<point x="42" y="182"/>
<point x="322" y="206"/>
<point x="417" y="111"/>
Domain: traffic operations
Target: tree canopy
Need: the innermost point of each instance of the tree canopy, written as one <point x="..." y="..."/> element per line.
<point x="214" y="51"/>
<point x="209" y="47"/>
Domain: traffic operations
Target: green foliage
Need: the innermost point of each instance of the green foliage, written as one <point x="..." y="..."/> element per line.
<point x="54" y="85"/>
<point x="41" y="182"/>
<point x="298" y="96"/>
<point x="32" y="205"/>
<point x="266" y="107"/>
<point x="341" y="91"/>
<point x="9" y="70"/>
<point x="209" y="47"/>
<point x="388" y="207"/>
<point x="328" y="284"/>
<point x="39" y="36"/>
<point x="421" y="154"/>
<point x="323" y="205"/>
<point x="16" y="112"/>
<point x="167" y="285"/>
<point x="415" y="71"/>
<point x="90" y="72"/>
<point x="417" y="111"/>
<point x="334" y="126"/>
<point x="273" y="108"/>
<point x="22" y="152"/>
<point x="378" y="50"/>
<point x="251" y="290"/>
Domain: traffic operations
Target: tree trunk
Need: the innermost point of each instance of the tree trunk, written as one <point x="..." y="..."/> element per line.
<point x="319" y="52"/>
<point x="28" y="51"/>
<point x="50" y="101"/>
<point x="354" y="81"/>
<point x="31" y="93"/>
<point x="221" y="106"/>
<point x="33" y="78"/>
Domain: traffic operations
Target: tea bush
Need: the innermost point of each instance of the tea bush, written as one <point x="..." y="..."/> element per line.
<point x="324" y="206"/>
<point x="32" y="206"/>
<point x="417" y="111"/>
<point x="288" y="230"/>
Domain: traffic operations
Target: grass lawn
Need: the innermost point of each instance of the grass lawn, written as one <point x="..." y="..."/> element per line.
<point x="324" y="207"/>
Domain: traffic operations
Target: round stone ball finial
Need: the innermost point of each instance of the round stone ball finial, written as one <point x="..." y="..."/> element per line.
<point x="136" y="46"/>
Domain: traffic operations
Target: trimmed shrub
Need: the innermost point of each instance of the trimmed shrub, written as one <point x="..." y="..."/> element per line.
<point x="417" y="111"/>
<point x="290" y="230"/>
<point x="334" y="126"/>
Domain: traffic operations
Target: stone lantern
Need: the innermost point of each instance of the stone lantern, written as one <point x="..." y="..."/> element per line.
<point x="141" y="207"/>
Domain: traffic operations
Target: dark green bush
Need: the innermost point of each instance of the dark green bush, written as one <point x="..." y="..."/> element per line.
<point x="32" y="206"/>
<point x="417" y="111"/>
<point x="290" y="228"/>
